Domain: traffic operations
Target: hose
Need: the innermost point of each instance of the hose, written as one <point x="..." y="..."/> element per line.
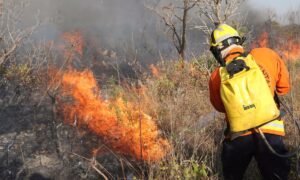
<point x="287" y="155"/>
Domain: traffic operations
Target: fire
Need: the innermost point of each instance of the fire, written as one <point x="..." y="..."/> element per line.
<point x="154" y="70"/>
<point x="289" y="48"/>
<point x="121" y="124"/>
<point x="262" y="41"/>
<point x="75" y="44"/>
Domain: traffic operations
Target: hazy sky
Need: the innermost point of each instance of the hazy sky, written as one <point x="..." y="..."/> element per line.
<point x="280" y="6"/>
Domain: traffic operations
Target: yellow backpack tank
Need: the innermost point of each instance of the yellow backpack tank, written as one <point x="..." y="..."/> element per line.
<point x="247" y="97"/>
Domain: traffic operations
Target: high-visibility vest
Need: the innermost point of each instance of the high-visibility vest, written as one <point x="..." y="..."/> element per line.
<point x="247" y="98"/>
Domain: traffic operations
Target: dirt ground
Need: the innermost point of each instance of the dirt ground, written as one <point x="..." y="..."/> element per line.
<point x="32" y="146"/>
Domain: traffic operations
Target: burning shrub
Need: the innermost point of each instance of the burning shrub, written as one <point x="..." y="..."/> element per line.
<point x="286" y="45"/>
<point x="122" y="125"/>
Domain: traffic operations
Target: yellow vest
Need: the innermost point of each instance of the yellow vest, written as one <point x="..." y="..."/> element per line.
<point x="247" y="98"/>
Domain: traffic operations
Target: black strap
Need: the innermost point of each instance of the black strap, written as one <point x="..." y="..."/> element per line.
<point x="276" y="99"/>
<point x="236" y="66"/>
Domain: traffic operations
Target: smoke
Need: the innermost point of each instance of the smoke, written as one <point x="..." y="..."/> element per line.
<point x="111" y="16"/>
<point x="122" y="24"/>
<point x="90" y="13"/>
<point x="113" y="23"/>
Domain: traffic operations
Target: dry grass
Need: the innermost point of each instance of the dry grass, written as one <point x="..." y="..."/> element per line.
<point x="178" y="98"/>
<point x="292" y="100"/>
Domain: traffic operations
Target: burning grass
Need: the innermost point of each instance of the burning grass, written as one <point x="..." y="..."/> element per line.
<point x="121" y="124"/>
<point x="172" y="101"/>
<point x="74" y="43"/>
<point x="287" y="47"/>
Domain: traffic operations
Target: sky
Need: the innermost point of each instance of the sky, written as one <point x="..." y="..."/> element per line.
<point x="280" y="6"/>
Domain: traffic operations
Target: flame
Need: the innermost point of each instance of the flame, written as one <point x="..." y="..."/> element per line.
<point x="75" y="44"/>
<point x="120" y="124"/>
<point x="289" y="48"/>
<point x="262" y="41"/>
<point x="154" y="70"/>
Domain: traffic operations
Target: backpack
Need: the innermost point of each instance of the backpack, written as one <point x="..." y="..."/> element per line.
<point x="246" y="96"/>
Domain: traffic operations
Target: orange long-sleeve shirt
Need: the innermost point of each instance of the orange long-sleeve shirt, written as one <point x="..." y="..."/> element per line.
<point x="271" y="65"/>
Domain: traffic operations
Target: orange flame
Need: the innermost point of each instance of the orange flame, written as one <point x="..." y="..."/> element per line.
<point x="262" y="41"/>
<point x="154" y="70"/>
<point x="75" y="44"/>
<point x="116" y="122"/>
<point x="289" y="48"/>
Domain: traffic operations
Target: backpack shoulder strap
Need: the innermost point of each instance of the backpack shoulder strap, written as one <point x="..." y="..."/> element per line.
<point x="237" y="65"/>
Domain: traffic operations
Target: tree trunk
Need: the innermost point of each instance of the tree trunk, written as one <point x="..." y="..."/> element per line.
<point x="1" y="7"/>
<point x="184" y="22"/>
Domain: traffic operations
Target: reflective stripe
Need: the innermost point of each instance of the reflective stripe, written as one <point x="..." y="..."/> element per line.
<point x="276" y="125"/>
<point x="280" y="133"/>
<point x="273" y="127"/>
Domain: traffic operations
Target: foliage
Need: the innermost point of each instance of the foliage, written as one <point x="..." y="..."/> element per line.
<point x="17" y="82"/>
<point x="188" y="169"/>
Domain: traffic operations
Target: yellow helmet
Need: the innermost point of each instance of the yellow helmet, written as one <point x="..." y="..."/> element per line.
<point x="221" y="33"/>
<point x="221" y="38"/>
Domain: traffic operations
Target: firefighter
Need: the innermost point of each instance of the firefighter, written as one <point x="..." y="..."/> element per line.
<point x="239" y="148"/>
